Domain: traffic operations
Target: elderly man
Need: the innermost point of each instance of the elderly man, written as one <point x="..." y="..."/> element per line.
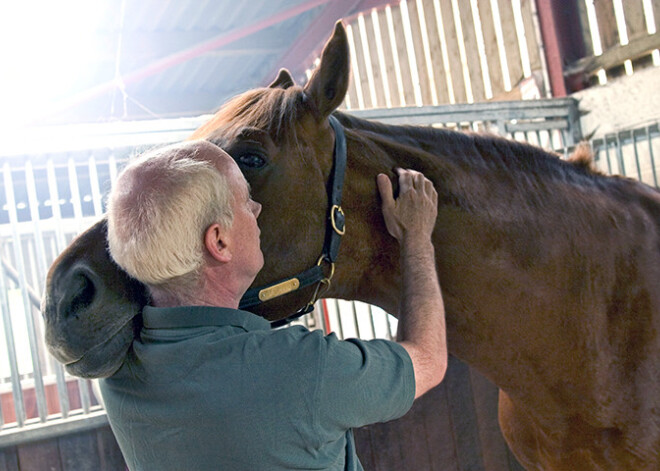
<point x="207" y="386"/>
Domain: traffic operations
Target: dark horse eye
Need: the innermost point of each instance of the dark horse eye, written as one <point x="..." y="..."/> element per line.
<point x="251" y="160"/>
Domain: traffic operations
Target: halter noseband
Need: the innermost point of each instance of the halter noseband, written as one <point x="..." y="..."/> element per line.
<point x="335" y="228"/>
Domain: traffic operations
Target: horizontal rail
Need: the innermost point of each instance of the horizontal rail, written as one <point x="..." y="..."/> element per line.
<point x="54" y="427"/>
<point x="133" y="134"/>
<point x="527" y="109"/>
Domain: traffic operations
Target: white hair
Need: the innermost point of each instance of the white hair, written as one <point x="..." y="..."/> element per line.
<point x="158" y="212"/>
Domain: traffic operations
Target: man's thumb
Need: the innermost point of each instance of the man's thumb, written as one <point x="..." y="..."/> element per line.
<point x="385" y="188"/>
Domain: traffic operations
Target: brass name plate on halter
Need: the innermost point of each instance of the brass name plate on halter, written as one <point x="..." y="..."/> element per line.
<point x="279" y="289"/>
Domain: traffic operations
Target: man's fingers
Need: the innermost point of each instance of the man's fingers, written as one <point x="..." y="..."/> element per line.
<point x="405" y="181"/>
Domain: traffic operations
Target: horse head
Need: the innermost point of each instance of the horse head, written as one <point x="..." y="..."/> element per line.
<point x="282" y="140"/>
<point x="280" y="137"/>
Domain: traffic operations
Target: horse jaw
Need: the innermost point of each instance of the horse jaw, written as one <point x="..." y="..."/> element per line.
<point x="90" y="307"/>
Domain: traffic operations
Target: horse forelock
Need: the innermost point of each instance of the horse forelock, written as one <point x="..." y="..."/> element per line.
<point x="274" y="110"/>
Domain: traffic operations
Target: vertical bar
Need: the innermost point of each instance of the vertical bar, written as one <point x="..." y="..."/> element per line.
<point x="635" y="19"/>
<point x="634" y="142"/>
<point x="62" y="390"/>
<point x="477" y="27"/>
<point x="20" y="265"/>
<point x="368" y="65"/>
<point x="75" y="194"/>
<point x="491" y="36"/>
<point x="511" y="41"/>
<point x="53" y="194"/>
<point x="33" y="201"/>
<point x="421" y="29"/>
<point x="411" y="53"/>
<point x="112" y="167"/>
<point x="371" y="319"/>
<point x="596" y="43"/>
<point x="453" y="65"/>
<point x="650" y="142"/>
<point x="395" y="40"/>
<point x="16" y="389"/>
<point x="549" y="29"/>
<point x="380" y="43"/>
<point x="355" y="321"/>
<point x="461" y="37"/>
<point x="340" y="327"/>
<point x="94" y="184"/>
<point x="607" y="25"/>
<point x="528" y="32"/>
<point x="372" y="39"/>
<point x="623" y="30"/>
<point x="355" y="68"/>
<point x="327" y="328"/>
<point x="607" y="154"/>
<point x="538" y="138"/>
<point x="619" y="154"/>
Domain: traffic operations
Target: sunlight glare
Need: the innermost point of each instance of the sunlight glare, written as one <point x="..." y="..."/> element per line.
<point x="45" y="47"/>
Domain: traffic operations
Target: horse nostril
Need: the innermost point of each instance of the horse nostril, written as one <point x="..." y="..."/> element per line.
<point x="81" y="292"/>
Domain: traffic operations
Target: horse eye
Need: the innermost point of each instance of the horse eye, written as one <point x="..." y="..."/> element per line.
<point x="251" y="160"/>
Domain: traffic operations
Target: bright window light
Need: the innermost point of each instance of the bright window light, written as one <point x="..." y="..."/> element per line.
<point x="45" y="49"/>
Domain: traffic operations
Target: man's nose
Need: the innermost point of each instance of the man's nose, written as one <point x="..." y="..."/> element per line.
<point x="257" y="209"/>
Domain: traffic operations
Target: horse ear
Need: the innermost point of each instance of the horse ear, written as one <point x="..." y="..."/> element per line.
<point x="283" y="80"/>
<point x="328" y="84"/>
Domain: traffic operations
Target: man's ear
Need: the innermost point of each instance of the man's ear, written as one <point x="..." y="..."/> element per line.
<point x="215" y="242"/>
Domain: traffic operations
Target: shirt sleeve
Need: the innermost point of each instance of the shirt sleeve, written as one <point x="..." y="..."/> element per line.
<point x="363" y="382"/>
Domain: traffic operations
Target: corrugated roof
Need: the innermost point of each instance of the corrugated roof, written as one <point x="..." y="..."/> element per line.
<point x="173" y="58"/>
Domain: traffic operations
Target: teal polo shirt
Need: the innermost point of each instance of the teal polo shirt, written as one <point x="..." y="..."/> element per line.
<point x="207" y="388"/>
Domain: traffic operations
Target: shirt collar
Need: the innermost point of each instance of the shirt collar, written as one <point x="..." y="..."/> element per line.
<point x="201" y="316"/>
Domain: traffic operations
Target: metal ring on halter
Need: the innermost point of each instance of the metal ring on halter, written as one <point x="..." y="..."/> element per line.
<point x="324" y="258"/>
<point x="325" y="282"/>
<point x="334" y="221"/>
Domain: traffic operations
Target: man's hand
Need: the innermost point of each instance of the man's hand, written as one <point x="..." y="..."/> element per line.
<point x="414" y="212"/>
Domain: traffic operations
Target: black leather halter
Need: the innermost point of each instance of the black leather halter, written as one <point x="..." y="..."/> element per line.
<point x="335" y="228"/>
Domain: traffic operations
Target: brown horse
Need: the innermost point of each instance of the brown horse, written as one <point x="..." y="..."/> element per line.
<point x="550" y="271"/>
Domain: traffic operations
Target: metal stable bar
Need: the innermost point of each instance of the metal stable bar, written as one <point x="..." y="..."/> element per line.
<point x="355" y="321"/>
<point x="16" y="390"/>
<point x="623" y="148"/>
<point x="94" y="183"/>
<point x="650" y="142"/>
<point x="29" y="320"/>
<point x="33" y="200"/>
<point x="637" y="166"/>
<point x="53" y="194"/>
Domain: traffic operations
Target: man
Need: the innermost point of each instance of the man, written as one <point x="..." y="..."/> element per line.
<point x="207" y="386"/>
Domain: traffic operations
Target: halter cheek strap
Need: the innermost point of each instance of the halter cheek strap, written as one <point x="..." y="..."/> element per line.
<point x="335" y="228"/>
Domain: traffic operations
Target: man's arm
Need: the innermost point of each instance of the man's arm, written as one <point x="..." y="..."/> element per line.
<point x="411" y="219"/>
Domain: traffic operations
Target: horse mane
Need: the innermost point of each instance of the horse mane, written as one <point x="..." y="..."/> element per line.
<point x="487" y="150"/>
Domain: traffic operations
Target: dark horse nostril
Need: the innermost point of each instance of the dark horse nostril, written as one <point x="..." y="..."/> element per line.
<point x="80" y="294"/>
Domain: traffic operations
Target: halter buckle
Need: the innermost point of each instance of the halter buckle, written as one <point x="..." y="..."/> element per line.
<point x="338" y="222"/>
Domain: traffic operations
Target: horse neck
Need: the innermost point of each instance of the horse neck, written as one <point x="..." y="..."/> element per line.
<point x="492" y="234"/>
